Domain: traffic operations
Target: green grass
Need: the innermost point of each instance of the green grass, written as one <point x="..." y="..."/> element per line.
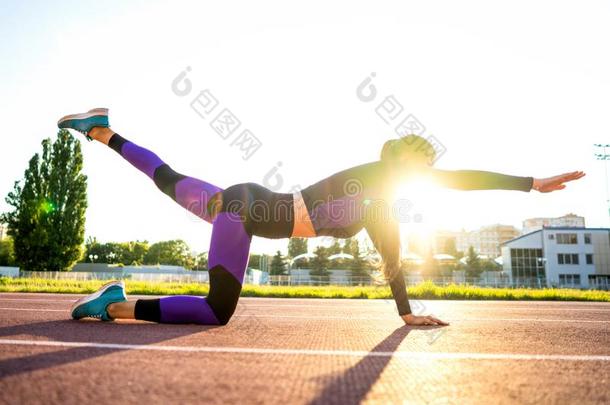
<point x="424" y="290"/>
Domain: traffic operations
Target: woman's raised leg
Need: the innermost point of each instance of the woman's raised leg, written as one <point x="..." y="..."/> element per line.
<point x="193" y="194"/>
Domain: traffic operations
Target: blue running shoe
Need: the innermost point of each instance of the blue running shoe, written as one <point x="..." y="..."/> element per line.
<point x="94" y="305"/>
<point x="98" y="117"/>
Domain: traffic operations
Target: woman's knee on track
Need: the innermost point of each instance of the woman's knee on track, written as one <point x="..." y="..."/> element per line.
<point x="224" y="293"/>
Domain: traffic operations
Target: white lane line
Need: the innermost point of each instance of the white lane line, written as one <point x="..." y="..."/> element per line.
<point x="548" y="303"/>
<point x="349" y="317"/>
<point x="372" y="318"/>
<point x="377" y="306"/>
<point x="70" y="301"/>
<point x="529" y="320"/>
<point x="380" y="301"/>
<point x="330" y="306"/>
<point x="33" y="309"/>
<point x="309" y="352"/>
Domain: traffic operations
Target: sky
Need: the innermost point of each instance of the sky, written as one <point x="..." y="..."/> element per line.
<point x="519" y="87"/>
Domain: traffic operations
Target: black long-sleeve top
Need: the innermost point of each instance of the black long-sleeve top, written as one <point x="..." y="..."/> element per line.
<point x="359" y="197"/>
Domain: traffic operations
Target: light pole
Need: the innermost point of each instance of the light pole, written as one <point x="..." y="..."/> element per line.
<point x="604" y="156"/>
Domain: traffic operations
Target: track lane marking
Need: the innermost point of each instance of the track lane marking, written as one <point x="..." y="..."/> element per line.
<point x="330" y="306"/>
<point x="34" y="309"/>
<point x="70" y="301"/>
<point x="381" y="308"/>
<point x="374" y="318"/>
<point x="355" y="300"/>
<point x="410" y="355"/>
<point x="448" y="319"/>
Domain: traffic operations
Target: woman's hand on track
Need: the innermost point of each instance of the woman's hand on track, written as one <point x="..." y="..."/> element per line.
<point x="556" y="182"/>
<point x="411" y="319"/>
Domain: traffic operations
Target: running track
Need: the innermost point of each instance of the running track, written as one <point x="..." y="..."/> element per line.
<point x="309" y="351"/>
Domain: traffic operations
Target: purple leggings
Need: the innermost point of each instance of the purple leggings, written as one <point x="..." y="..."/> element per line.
<point x="229" y="247"/>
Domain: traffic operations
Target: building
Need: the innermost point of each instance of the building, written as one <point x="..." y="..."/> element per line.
<point x="445" y="242"/>
<point x="559" y="257"/>
<point x="568" y="220"/>
<point x="486" y="241"/>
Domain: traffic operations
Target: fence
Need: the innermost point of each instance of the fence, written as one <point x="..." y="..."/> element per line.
<point x="193" y="277"/>
<point x="498" y="282"/>
<point x="190" y="277"/>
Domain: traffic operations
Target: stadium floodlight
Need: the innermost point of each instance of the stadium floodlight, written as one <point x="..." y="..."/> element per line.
<point x="604" y="157"/>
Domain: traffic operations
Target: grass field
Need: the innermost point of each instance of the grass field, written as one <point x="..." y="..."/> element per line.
<point x="424" y="290"/>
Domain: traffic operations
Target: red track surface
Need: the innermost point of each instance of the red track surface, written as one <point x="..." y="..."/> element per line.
<point x="309" y="351"/>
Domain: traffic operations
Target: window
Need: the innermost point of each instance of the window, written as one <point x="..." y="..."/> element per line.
<point x="589" y="257"/>
<point x="599" y="281"/>
<point x="551" y="236"/>
<point x="569" y="279"/>
<point x="527" y="266"/>
<point x="567" y="258"/>
<point x="567" y="239"/>
<point x="588" y="238"/>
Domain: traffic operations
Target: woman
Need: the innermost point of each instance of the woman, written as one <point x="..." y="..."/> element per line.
<point x="339" y="206"/>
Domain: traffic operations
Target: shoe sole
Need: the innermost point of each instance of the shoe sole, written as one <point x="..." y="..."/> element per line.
<point x="97" y="294"/>
<point x="82" y="116"/>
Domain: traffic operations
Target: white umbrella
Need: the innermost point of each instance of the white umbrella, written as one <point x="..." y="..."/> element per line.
<point x="443" y="256"/>
<point x="340" y="256"/>
<point x="412" y="256"/>
<point x="303" y="256"/>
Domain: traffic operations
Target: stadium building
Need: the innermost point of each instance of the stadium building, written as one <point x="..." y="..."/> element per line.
<point x="568" y="220"/>
<point x="559" y="257"/>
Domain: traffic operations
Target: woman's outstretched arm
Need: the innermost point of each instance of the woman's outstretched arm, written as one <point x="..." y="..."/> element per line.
<point x="483" y="180"/>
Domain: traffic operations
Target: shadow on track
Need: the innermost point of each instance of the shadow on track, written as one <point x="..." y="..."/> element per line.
<point x="353" y="385"/>
<point x="86" y="331"/>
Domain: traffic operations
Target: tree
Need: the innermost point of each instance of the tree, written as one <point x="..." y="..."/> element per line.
<point x="446" y="268"/>
<point x="254" y="261"/>
<point x="259" y="261"/>
<point x="335" y="248"/>
<point x="132" y="252"/>
<point x="201" y="262"/>
<point x="278" y="265"/>
<point x="7" y="254"/>
<point x="47" y="222"/>
<point x="170" y="252"/>
<point x="91" y="245"/>
<point x="431" y="267"/>
<point x="349" y="245"/>
<point x="296" y="246"/>
<point x="450" y="247"/>
<point x="319" y="264"/>
<point x="409" y="266"/>
<point x="490" y="265"/>
<point x="473" y="264"/>
<point x="358" y="264"/>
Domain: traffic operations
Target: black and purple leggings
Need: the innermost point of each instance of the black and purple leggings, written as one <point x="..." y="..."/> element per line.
<point x="229" y="248"/>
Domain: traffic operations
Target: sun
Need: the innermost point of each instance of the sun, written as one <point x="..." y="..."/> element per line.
<point x="421" y="204"/>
